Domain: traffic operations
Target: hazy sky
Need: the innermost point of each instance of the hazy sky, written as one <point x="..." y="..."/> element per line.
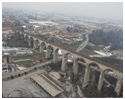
<point x="103" y="10"/>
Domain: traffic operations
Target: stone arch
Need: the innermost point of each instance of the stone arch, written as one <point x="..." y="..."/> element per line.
<point x="22" y="36"/>
<point x="94" y="64"/>
<point x="80" y="59"/>
<point x="65" y="55"/>
<point x="37" y="45"/>
<point x="31" y="40"/>
<point x="69" y="60"/>
<point x="67" y="67"/>
<point x="19" y="35"/>
<point x="49" y="51"/>
<point x="79" y="66"/>
<point x="57" y="52"/>
<point x="110" y="79"/>
<point x="26" y="38"/>
<point x="94" y="73"/>
<point x="42" y="47"/>
<point x="109" y="69"/>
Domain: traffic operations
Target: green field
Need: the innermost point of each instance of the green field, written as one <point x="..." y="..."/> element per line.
<point x="72" y="46"/>
<point x="87" y="52"/>
<point x="35" y="56"/>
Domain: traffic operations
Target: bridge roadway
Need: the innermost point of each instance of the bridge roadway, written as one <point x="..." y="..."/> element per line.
<point x="28" y="69"/>
<point x="98" y="61"/>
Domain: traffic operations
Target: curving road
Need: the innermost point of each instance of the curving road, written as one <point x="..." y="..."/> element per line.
<point x="83" y="45"/>
<point x="28" y="69"/>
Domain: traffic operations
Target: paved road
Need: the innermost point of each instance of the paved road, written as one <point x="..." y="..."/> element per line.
<point x="83" y="45"/>
<point x="22" y="71"/>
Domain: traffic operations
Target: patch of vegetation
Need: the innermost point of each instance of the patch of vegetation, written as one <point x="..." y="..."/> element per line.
<point x="96" y="47"/>
<point x="16" y="42"/>
<point x="33" y="57"/>
<point x="19" y="75"/>
<point x="113" y="38"/>
<point x="12" y="77"/>
<point x="114" y="94"/>
<point x="25" y="73"/>
<point x="72" y="46"/>
<point x="87" y="52"/>
<point x="55" y="66"/>
<point x="35" y="68"/>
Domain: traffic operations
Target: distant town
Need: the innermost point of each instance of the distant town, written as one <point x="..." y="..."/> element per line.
<point x="59" y="55"/>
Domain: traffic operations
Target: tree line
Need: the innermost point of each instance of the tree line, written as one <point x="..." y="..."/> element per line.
<point x="112" y="38"/>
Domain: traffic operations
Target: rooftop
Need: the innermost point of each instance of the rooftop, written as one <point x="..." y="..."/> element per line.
<point x="4" y="65"/>
<point x="47" y="84"/>
<point x="55" y="74"/>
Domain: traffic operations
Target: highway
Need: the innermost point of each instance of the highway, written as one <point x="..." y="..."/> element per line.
<point x="83" y="45"/>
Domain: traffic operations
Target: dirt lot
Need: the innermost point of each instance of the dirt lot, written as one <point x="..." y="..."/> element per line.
<point x="22" y="87"/>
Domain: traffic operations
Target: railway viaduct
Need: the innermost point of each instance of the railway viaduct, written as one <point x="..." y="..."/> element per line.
<point x="38" y="42"/>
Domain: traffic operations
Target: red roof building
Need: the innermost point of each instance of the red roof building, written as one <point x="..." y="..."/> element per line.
<point x="4" y="65"/>
<point x="48" y="35"/>
<point x="4" y="68"/>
